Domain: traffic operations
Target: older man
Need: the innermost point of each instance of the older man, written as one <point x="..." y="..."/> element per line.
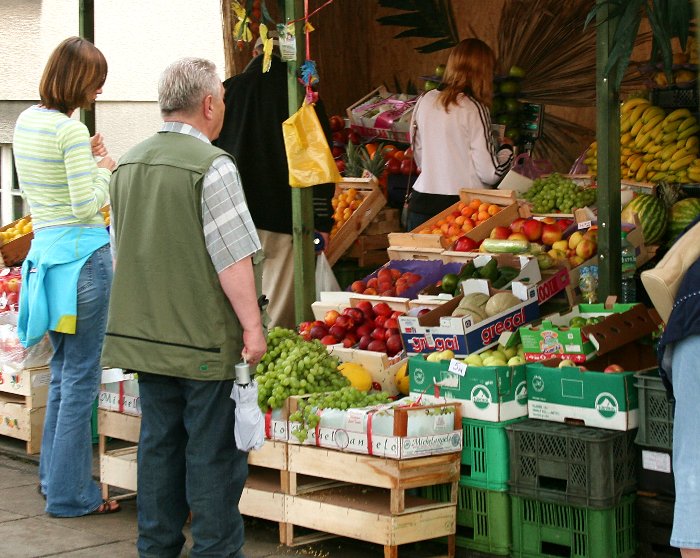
<point x="183" y="311"/>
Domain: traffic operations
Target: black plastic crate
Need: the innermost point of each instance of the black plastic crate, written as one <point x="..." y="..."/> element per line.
<point x="655" y="472"/>
<point x="575" y="465"/>
<point x="654" y="525"/>
<point x="655" y="411"/>
<point x="675" y="97"/>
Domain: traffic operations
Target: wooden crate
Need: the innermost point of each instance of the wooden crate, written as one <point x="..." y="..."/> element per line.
<point x="370" y="250"/>
<point x="30" y="383"/>
<point x="14" y="252"/>
<point x="387" y="220"/>
<point x="417" y="252"/>
<point x="504" y="198"/>
<point x="22" y="421"/>
<point x="118" y="468"/>
<point x="373" y="201"/>
<point x="263" y="496"/>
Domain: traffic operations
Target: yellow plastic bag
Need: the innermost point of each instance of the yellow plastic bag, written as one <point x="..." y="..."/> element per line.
<point x="309" y="158"/>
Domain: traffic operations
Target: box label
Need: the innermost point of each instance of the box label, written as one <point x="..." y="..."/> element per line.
<point x="656" y="461"/>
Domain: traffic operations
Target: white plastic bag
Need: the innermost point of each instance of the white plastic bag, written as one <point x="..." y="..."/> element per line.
<point x="325" y="278"/>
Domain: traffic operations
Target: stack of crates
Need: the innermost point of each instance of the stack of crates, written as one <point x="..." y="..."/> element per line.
<point x="654" y="452"/>
<point x="483" y="502"/>
<point x="572" y="491"/>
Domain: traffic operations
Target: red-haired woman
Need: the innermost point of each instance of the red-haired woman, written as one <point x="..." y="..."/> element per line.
<point x="452" y="135"/>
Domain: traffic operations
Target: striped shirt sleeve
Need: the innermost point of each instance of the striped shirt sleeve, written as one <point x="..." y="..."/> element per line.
<point x="229" y="231"/>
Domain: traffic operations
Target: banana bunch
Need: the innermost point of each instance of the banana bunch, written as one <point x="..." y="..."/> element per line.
<point x="655" y="146"/>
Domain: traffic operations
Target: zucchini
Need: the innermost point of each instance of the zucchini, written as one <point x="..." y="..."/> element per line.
<point x="504" y="246"/>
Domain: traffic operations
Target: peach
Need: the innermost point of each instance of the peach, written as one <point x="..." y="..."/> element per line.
<point x="586" y="248"/>
<point x="517" y="236"/>
<point x="532" y="229"/>
<point x="517" y="225"/>
<point x="500" y="232"/>
<point x="550" y="233"/>
<point x="575" y="238"/>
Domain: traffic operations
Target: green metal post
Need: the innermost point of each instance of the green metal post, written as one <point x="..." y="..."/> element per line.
<point x="608" y="138"/>
<point x="87" y="31"/>
<point x="302" y="198"/>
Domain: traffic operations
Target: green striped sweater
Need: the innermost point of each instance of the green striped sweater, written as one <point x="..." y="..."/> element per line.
<point x="57" y="172"/>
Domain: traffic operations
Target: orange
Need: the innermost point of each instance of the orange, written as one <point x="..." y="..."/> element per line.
<point x="399" y="155"/>
<point x="467" y="226"/>
<point x="483" y="215"/>
<point x="450" y="218"/>
<point x="493" y="209"/>
<point x="475" y="203"/>
<point x="440" y="223"/>
<point x="444" y="228"/>
<point x="461" y="206"/>
<point x="371" y="149"/>
<point x="483" y="207"/>
<point x="460" y="220"/>
<point x="468" y="211"/>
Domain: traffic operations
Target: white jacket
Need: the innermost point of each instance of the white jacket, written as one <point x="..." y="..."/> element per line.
<point x="455" y="149"/>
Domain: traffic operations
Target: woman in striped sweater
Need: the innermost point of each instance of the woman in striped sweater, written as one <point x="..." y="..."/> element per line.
<point x="451" y="134"/>
<point x="67" y="275"/>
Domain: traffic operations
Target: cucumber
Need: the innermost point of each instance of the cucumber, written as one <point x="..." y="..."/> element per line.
<point x="500" y="246"/>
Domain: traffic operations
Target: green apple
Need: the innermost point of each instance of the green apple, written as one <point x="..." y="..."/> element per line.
<point x="494" y="361"/>
<point x="514" y="361"/>
<point x="440" y="70"/>
<point x="516" y="71"/>
<point x="447" y="355"/>
<point x="510" y="352"/>
<point x="434" y="357"/>
<point x="430" y="85"/>
<point x="500" y="354"/>
<point x="566" y="362"/>
<point x="474" y="360"/>
<point x="486" y="353"/>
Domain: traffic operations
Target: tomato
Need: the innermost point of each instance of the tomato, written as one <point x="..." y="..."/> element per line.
<point x="337" y="123"/>
<point x="407" y="167"/>
<point x="354" y="138"/>
<point x="341" y="165"/>
<point x="388" y="151"/>
<point x="399" y="155"/>
<point x="393" y="166"/>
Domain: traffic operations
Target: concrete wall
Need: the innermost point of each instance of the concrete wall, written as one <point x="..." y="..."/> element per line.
<point x="139" y="39"/>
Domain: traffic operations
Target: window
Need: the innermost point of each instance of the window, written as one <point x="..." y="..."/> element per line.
<point x="12" y="204"/>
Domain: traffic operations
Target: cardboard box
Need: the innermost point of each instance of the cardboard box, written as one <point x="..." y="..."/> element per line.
<point x="438" y="330"/>
<point x="490" y="393"/>
<point x="30" y="383"/>
<point x="381" y="367"/>
<point x="381" y="114"/>
<point x="504" y="198"/>
<point x="407" y="439"/>
<point x="590" y="397"/>
<point x="120" y="394"/>
<point x="621" y="324"/>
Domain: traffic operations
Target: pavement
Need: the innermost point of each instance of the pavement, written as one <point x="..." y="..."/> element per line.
<point x="27" y="532"/>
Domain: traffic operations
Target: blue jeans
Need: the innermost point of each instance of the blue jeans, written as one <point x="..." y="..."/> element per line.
<point x="686" y="451"/>
<point x="188" y="460"/>
<point x="65" y="466"/>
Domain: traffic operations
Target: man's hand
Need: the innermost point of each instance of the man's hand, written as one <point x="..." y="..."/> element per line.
<point x="254" y="346"/>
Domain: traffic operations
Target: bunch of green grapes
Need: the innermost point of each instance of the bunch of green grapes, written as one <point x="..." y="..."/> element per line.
<point x="292" y="366"/>
<point x="344" y="398"/>
<point x="556" y="193"/>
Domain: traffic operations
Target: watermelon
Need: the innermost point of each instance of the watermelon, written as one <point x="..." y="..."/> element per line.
<point x="681" y="214"/>
<point x="652" y="215"/>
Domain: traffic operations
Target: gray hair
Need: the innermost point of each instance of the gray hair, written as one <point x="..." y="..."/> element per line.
<point x="185" y="83"/>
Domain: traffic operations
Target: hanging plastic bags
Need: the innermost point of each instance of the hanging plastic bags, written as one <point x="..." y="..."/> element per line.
<point x="309" y="158"/>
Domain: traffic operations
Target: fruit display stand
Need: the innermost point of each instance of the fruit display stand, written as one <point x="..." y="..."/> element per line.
<point x="118" y="466"/>
<point x="15" y="247"/>
<point x="372" y="202"/>
<point x="377" y="508"/>
<point x="23" y="406"/>
<point x="370" y="248"/>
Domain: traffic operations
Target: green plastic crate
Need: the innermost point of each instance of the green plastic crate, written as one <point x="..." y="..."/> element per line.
<point x="575" y="465"/>
<point x="485" y="461"/>
<point x="655" y="412"/>
<point x="483" y="517"/>
<point x="545" y="529"/>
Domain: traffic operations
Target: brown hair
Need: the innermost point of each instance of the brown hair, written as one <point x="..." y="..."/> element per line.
<point x="75" y="70"/>
<point x="469" y="70"/>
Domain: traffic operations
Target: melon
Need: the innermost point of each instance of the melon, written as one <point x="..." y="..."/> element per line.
<point x="652" y="215"/>
<point x="681" y="214"/>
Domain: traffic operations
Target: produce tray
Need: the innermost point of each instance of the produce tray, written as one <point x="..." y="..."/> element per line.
<point x="571" y="465"/>
<point x="372" y="203"/>
<point x="14" y="252"/>
<point x="483" y="517"/>
<point x="655" y="412"/>
<point x="504" y="198"/>
<point x="545" y="529"/>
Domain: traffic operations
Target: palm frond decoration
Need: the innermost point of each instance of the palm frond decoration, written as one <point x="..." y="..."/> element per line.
<point x="561" y="142"/>
<point x="668" y="19"/>
<point x="430" y="19"/>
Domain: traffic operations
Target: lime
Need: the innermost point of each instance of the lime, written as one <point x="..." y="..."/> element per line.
<point x="577" y="321"/>
<point x="449" y="283"/>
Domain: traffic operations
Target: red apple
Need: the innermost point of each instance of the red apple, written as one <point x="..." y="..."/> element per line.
<point x="348" y="342"/>
<point x="337" y="151"/>
<point x="354" y="313"/>
<point x="319" y="323"/>
<point x="337" y="331"/>
<point x="423" y="311"/>
<point x="382" y="308"/>
<point x="388" y="332"/>
<point x="391" y="323"/>
<point x="563" y="224"/>
<point x="364" y="329"/>
<point x="550" y="234"/>
<point x="329" y="340"/>
<point x="377" y="346"/>
<point x="388" y="292"/>
<point x="331" y="317"/>
<point x="378" y="333"/>
<point x="318" y="332"/>
<point x="613" y="368"/>
<point x="337" y="123"/>
<point x="379" y="321"/>
<point x="394" y="345"/>
<point x="517" y="225"/>
<point x="500" y="232"/>
<point x="365" y="340"/>
<point x="532" y="229"/>
<point x="363" y="305"/>
<point x="465" y="244"/>
<point x="395" y="314"/>
<point x="345" y="321"/>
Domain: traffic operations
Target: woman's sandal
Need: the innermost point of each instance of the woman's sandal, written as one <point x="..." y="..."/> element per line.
<point x="38" y="489"/>
<point x="107" y="506"/>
